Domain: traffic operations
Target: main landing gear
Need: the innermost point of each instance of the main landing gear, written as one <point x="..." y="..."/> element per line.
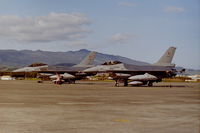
<point x="125" y="81"/>
<point x="150" y="84"/>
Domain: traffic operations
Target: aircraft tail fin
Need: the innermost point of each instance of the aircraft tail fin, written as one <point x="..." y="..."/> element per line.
<point x="166" y="59"/>
<point x="87" y="61"/>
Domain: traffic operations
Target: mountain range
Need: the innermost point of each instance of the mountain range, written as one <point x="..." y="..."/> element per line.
<point x="21" y="58"/>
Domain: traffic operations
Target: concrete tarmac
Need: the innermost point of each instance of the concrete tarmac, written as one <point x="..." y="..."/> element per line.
<point x="98" y="107"/>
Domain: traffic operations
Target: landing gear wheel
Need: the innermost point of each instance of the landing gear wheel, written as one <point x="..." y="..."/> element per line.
<point x="150" y="84"/>
<point x="117" y="83"/>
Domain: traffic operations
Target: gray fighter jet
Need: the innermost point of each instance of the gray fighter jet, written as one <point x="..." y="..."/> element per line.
<point x="139" y="75"/>
<point x="68" y="73"/>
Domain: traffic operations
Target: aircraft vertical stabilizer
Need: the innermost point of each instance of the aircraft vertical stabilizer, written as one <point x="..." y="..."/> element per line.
<point x="87" y="61"/>
<point x="166" y="59"/>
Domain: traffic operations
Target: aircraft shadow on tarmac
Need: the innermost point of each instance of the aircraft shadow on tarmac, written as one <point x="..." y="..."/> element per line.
<point x="170" y="86"/>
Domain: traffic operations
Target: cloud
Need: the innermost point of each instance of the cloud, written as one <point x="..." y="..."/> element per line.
<point x="174" y="9"/>
<point x="127" y="4"/>
<point x="53" y="27"/>
<point x="78" y="43"/>
<point x="120" y="38"/>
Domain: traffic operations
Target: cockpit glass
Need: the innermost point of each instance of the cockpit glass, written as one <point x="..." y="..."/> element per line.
<point x="112" y="63"/>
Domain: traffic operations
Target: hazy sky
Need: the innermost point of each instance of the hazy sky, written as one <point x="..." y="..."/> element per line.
<point x="137" y="29"/>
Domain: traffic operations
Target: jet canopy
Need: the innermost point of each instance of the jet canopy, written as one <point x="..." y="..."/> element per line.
<point x="112" y="63"/>
<point x="37" y="64"/>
